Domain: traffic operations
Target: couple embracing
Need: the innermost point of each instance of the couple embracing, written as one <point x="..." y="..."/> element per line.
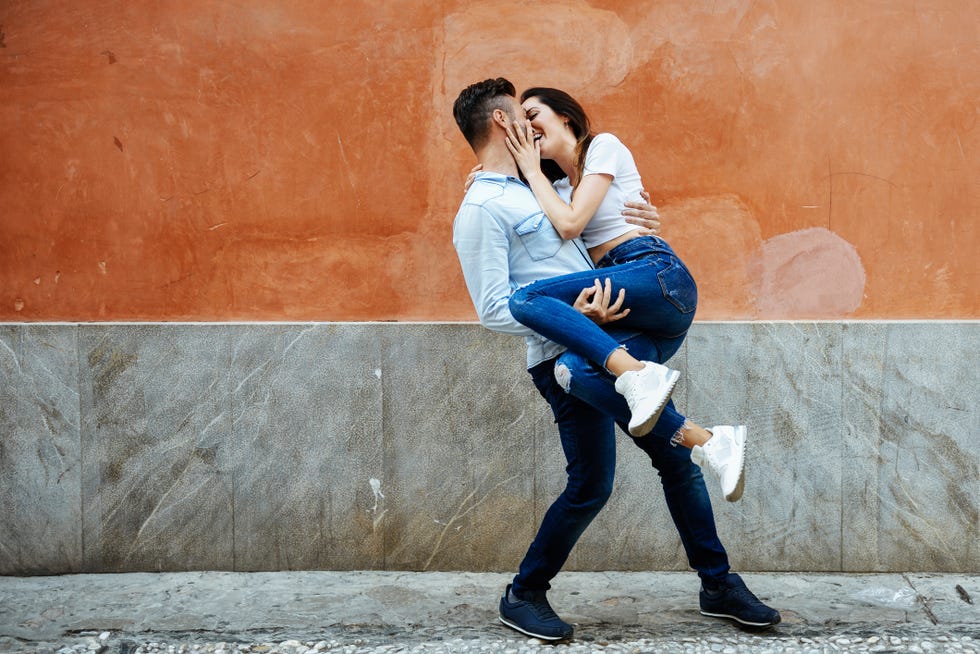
<point x="557" y="242"/>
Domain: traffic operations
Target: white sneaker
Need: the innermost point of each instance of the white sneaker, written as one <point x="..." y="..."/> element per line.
<point x="646" y="392"/>
<point x="724" y="454"/>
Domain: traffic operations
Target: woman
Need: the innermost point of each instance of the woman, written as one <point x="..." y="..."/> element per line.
<point x="581" y="181"/>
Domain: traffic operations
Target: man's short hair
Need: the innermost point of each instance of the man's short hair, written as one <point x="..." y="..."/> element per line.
<point x="474" y="107"/>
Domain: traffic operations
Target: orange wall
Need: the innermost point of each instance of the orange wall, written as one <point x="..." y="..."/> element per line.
<point x="206" y="160"/>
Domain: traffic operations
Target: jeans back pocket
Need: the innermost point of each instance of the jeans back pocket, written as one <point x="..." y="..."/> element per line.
<point x="678" y="287"/>
<point x="538" y="236"/>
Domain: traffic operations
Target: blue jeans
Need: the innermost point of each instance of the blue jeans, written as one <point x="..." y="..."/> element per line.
<point x="588" y="438"/>
<point x="660" y="293"/>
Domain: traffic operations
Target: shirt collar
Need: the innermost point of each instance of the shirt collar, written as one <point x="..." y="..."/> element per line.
<point x="498" y="178"/>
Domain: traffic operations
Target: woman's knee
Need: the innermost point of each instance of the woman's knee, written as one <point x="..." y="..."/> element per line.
<point x="519" y="303"/>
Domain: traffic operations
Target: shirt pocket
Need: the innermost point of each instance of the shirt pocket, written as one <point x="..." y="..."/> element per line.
<point x="538" y="237"/>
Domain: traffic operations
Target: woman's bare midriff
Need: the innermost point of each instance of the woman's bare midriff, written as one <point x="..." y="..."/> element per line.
<point x="597" y="252"/>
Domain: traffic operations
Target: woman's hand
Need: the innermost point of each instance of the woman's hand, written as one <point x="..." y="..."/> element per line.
<point x="594" y="302"/>
<point x="472" y="177"/>
<point x="524" y="149"/>
<point x="644" y="215"/>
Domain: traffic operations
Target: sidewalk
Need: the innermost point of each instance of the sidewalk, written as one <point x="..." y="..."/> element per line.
<point x="456" y="612"/>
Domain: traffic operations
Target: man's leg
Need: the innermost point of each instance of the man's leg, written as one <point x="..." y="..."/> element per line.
<point x="723" y="593"/>
<point x="683" y="484"/>
<point x="589" y="442"/>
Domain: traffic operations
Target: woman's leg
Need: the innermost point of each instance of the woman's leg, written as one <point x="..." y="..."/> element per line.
<point x="660" y="294"/>
<point x="719" y="449"/>
<point x="546" y="307"/>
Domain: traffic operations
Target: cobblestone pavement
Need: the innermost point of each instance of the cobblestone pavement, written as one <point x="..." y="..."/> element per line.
<point x="389" y="612"/>
<point x="885" y="640"/>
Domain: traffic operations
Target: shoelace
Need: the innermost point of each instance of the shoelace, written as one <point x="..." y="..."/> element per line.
<point x="743" y="593"/>
<point x="542" y="610"/>
<point x="544" y="613"/>
<point x="633" y="393"/>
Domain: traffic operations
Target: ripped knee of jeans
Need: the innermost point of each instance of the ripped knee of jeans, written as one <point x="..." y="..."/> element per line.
<point x="563" y="375"/>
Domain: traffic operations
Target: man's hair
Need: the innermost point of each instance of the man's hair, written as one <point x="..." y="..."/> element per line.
<point x="474" y="107"/>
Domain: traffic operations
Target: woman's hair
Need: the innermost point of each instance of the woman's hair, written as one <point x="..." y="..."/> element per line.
<point x="567" y="107"/>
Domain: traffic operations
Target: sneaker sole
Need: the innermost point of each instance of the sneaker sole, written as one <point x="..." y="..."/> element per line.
<point x="736" y="494"/>
<point x="739" y="620"/>
<point x="531" y="633"/>
<point x="646" y="426"/>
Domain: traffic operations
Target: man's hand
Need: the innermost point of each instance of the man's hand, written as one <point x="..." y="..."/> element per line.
<point x="593" y="302"/>
<point x="644" y="215"/>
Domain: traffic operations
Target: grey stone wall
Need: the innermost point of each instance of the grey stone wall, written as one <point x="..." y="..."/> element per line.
<point x="425" y="447"/>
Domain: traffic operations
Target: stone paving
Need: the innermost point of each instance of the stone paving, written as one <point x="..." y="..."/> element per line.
<point x="389" y="612"/>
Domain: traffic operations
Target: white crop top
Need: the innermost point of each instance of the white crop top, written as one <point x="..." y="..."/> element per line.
<point x="607" y="155"/>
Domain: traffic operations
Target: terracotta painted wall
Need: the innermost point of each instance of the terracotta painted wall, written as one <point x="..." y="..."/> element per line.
<point x="206" y="160"/>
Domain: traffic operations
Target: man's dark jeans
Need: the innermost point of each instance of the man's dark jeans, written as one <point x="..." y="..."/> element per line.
<point x="588" y="439"/>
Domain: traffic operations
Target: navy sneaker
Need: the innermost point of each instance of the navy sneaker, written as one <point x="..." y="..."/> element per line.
<point x="532" y="615"/>
<point x="732" y="600"/>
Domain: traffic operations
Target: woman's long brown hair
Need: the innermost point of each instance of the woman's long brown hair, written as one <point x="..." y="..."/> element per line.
<point x="567" y="107"/>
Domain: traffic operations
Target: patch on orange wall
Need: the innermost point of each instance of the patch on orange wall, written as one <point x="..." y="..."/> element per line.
<point x="811" y="273"/>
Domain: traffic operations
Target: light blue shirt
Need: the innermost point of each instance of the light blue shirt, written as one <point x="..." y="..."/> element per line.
<point x="504" y="241"/>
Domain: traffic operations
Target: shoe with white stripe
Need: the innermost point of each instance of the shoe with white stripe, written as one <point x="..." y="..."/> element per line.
<point x="730" y="598"/>
<point x="531" y="614"/>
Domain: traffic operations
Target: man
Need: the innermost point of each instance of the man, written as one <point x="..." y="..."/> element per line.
<point x="497" y="259"/>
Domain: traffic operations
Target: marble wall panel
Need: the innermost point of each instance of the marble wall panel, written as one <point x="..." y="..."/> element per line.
<point x="305" y="403"/>
<point x="426" y="446"/>
<point x="862" y="371"/>
<point x="40" y="518"/>
<point x="155" y="438"/>
<point x="782" y="380"/>
<point x="461" y="422"/>
<point x="929" y="483"/>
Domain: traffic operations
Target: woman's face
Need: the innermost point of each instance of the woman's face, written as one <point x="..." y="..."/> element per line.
<point x="551" y="130"/>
